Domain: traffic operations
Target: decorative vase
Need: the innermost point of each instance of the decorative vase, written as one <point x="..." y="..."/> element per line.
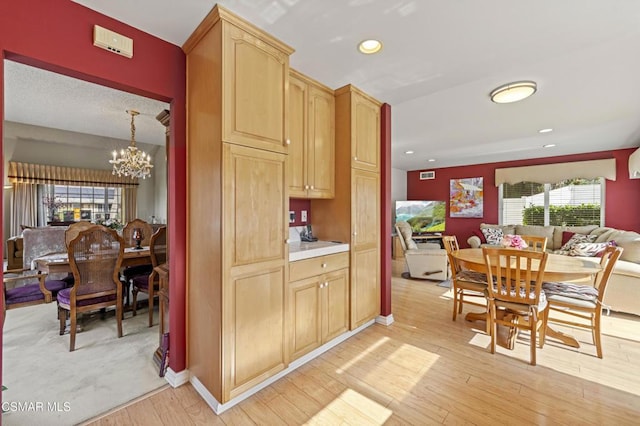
<point x="137" y="237"/>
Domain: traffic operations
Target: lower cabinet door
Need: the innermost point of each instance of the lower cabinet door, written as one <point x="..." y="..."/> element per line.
<point x="335" y="297"/>
<point x="305" y="317"/>
<point x="365" y="286"/>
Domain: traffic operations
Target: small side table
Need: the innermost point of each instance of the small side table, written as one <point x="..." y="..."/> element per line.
<point x="161" y="354"/>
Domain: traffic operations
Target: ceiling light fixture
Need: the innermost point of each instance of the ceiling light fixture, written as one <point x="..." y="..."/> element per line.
<point x="513" y="92"/>
<point x="545" y="130"/>
<point x="549" y="145"/>
<point x="132" y="162"/>
<point x="369" y="47"/>
<point x="431" y="160"/>
<point x="409" y="152"/>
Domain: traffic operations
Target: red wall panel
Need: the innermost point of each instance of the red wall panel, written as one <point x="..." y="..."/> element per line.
<point x="57" y="35"/>
<point x="622" y="198"/>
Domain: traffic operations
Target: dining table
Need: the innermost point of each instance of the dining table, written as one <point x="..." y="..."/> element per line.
<point x="558" y="268"/>
<point x="59" y="262"/>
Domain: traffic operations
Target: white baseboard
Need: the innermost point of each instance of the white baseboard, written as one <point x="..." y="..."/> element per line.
<point x="388" y="320"/>
<point x="219" y="408"/>
<point x="176" y="379"/>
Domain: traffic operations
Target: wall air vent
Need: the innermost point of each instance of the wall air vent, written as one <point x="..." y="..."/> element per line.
<point x="113" y="42"/>
<point x="427" y="175"/>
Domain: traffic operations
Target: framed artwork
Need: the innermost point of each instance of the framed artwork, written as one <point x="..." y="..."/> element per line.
<point x="85" y="214"/>
<point x="466" y="197"/>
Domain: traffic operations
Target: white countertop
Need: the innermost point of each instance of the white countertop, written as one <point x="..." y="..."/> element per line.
<point x="302" y="250"/>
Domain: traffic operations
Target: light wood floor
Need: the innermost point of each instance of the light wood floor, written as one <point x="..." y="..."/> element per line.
<point x="425" y="369"/>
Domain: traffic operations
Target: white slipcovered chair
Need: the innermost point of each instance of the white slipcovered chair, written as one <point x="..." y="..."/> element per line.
<point x="426" y="261"/>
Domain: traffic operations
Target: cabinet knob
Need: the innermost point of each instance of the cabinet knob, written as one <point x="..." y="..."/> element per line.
<point x="311" y="186"/>
<point x="321" y="285"/>
<point x="287" y="241"/>
<point x="324" y="265"/>
<point x="306" y="187"/>
<point x="355" y="158"/>
<point x="355" y="233"/>
<point x="326" y="284"/>
<point x="288" y="141"/>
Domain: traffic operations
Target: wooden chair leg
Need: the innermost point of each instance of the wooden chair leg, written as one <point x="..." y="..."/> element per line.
<point x="151" y="296"/>
<point x="62" y="316"/>
<point x="543" y="327"/>
<point x="493" y="327"/>
<point x="455" y="302"/>
<point x="72" y="331"/>
<point x="595" y="322"/>
<point x="533" y="330"/>
<point x="119" y="310"/>
<point x="134" y="301"/>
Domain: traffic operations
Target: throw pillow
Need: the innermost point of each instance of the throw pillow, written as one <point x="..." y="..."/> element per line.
<point x="566" y="236"/>
<point x="577" y="239"/>
<point x="587" y="249"/>
<point x="478" y="233"/>
<point x="493" y="236"/>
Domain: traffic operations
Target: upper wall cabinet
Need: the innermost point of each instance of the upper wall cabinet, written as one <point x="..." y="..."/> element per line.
<point x="312" y="135"/>
<point x="255" y="98"/>
<point x="365" y="130"/>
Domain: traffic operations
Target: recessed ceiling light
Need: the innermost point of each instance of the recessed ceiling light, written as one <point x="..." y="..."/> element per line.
<point x="545" y="130"/>
<point x="549" y="145"/>
<point x="431" y="160"/>
<point x="409" y="152"/>
<point x="513" y="92"/>
<point x="369" y="47"/>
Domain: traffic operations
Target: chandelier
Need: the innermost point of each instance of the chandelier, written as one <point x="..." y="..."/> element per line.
<point x="132" y="162"/>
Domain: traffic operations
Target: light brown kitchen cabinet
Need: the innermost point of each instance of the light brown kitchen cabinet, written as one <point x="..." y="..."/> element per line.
<point x="318" y="304"/>
<point x="311" y="132"/>
<point x="353" y="216"/>
<point x="364" y="116"/>
<point x="237" y="205"/>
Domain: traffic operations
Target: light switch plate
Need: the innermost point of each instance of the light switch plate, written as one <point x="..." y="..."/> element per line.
<point x="292" y="216"/>
<point x="303" y="216"/>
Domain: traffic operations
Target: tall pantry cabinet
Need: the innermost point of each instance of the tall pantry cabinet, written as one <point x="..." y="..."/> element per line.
<point x="237" y="131"/>
<point x="353" y="216"/>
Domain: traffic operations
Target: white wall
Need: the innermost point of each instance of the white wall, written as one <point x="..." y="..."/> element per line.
<point x="42" y="145"/>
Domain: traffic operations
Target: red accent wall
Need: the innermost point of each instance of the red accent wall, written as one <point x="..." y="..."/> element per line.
<point x="57" y="35"/>
<point x="385" y="210"/>
<point x="622" y="197"/>
<point x="297" y="205"/>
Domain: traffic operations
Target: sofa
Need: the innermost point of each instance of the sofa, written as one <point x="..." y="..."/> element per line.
<point x="623" y="290"/>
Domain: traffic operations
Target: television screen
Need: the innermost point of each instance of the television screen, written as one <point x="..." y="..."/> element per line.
<point x="423" y="216"/>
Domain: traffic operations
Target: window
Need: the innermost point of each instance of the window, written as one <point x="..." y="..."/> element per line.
<point x="571" y="202"/>
<point x="74" y="203"/>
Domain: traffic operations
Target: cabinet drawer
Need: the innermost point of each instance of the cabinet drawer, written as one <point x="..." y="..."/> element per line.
<point x="317" y="265"/>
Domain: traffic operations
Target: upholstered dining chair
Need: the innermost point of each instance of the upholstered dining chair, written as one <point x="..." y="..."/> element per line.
<point x="95" y="256"/>
<point x="425" y="261"/>
<point x="515" y="296"/>
<point x="583" y="302"/>
<point x="149" y="283"/>
<point x="131" y="272"/>
<point x="23" y="288"/>
<point x="464" y="282"/>
<point x="535" y="242"/>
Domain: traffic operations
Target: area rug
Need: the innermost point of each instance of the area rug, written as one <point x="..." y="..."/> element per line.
<point x="47" y="384"/>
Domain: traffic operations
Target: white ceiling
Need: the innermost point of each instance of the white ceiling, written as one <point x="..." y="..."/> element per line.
<point x="439" y="62"/>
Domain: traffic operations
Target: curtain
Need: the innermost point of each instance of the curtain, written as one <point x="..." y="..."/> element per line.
<point x="24" y="206"/>
<point x="46" y="174"/>
<point x="129" y="200"/>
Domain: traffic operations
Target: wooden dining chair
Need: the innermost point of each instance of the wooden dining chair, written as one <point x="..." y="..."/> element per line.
<point x="583" y="302"/>
<point x="535" y="242"/>
<point x="129" y="273"/>
<point x="516" y="300"/>
<point x="149" y="283"/>
<point x="95" y="256"/>
<point x="464" y="282"/>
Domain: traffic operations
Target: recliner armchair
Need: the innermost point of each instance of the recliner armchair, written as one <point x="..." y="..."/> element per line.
<point x="425" y="261"/>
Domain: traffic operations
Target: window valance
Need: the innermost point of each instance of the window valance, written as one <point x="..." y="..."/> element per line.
<point x="552" y="173"/>
<point x="46" y="174"/>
